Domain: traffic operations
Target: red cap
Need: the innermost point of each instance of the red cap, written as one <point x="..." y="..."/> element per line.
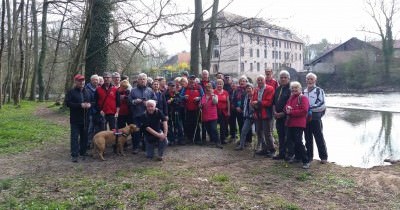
<point x="79" y="77"/>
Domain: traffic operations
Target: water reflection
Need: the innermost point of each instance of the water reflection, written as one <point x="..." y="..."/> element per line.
<point x="361" y="138"/>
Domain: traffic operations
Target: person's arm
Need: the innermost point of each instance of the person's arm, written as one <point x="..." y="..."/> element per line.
<point x="268" y="96"/>
<point x="302" y="109"/>
<point x="229" y="105"/>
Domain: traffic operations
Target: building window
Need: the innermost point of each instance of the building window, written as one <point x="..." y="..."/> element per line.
<point x="265" y="65"/>
<point x="251" y="67"/>
<point x="273" y="54"/>
<point x="273" y="43"/>
<point x="295" y="56"/>
<point x="279" y="54"/>
<point x="258" y="40"/>
<point x="251" y="52"/>
<point x="241" y="38"/>
<point x="279" y="44"/>
<point x="216" y="53"/>
<point x="258" y="53"/>
<point x="300" y="55"/>
<point x="215" y="68"/>
<point x="300" y="46"/>
<point x="242" y="51"/>
<point x="265" y="53"/>
<point x="251" y="39"/>
<point x="258" y="66"/>
<point x="242" y="67"/>
<point x="265" y="42"/>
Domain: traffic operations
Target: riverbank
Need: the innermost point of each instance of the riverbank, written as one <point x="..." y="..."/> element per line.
<point x="190" y="177"/>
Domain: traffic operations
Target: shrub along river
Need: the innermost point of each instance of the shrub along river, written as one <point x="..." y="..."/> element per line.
<point x="362" y="130"/>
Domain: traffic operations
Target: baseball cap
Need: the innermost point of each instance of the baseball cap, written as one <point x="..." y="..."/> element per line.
<point x="192" y="76"/>
<point x="185" y="73"/>
<point x="79" y="77"/>
<point x="171" y="83"/>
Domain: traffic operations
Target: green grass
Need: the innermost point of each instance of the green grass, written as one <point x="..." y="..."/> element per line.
<point x="220" y="178"/>
<point x="21" y="130"/>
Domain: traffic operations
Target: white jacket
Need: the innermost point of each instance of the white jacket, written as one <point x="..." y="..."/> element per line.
<point x="316" y="97"/>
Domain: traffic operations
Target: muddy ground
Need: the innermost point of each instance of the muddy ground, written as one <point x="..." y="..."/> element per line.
<point x="190" y="177"/>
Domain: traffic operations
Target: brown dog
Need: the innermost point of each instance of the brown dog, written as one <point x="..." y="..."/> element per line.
<point x="102" y="138"/>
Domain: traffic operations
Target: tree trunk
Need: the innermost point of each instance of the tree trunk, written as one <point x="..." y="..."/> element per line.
<point x="20" y="79"/>
<point x="35" y="52"/>
<point x="195" y="38"/>
<point x="3" y="12"/>
<point x="76" y="53"/>
<point x="43" y="51"/>
<point x="28" y="46"/>
<point x="97" y="46"/>
<point x="211" y="36"/>
<point x="53" y="64"/>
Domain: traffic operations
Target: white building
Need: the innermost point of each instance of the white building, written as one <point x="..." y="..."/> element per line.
<point x="248" y="46"/>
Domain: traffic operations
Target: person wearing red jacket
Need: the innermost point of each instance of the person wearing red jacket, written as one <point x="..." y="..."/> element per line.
<point x="262" y="103"/>
<point x="124" y="116"/>
<point x="192" y="94"/>
<point x="296" y="110"/>
<point x="209" y="104"/>
<point x="108" y="101"/>
<point x="223" y="108"/>
<point x="269" y="79"/>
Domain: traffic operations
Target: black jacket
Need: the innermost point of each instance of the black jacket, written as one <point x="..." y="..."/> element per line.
<point x="73" y="100"/>
<point x="282" y="95"/>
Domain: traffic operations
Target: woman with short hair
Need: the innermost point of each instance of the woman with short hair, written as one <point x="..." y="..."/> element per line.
<point x="296" y="110"/>
<point x="208" y="105"/>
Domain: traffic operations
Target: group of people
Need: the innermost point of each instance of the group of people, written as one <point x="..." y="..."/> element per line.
<point x="186" y="109"/>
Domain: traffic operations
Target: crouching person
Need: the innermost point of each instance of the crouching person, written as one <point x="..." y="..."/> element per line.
<point x="153" y="135"/>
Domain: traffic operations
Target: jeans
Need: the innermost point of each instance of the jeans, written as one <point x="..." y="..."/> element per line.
<point x="314" y="128"/>
<point x="232" y="123"/>
<point x="295" y="135"/>
<point x="175" y="128"/>
<point x="246" y="129"/>
<point x="192" y="129"/>
<point x="211" y="127"/>
<point x="223" y="126"/>
<point x="110" y="119"/>
<point x="282" y="132"/>
<point x="150" y="148"/>
<point x="78" y="139"/>
<point x="137" y="136"/>
<point x="264" y="135"/>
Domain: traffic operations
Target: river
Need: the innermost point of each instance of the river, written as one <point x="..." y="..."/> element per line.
<point x="362" y="130"/>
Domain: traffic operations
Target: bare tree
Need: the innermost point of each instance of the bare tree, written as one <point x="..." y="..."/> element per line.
<point x="2" y="39"/>
<point x="35" y="52"/>
<point x="42" y="58"/>
<point x="383" y="12"/>
<point x="195" y="38"/>
<point x="20" y="79"/>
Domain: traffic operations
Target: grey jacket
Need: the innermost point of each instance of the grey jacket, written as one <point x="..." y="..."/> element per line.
<point x="139" y="92"/>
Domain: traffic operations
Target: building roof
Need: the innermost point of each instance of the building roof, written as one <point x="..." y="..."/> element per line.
<point x="183" y="57"/>
<point x="378" y="44"/>
<point x="317" y="59"/>
<point x="256" y="26"/>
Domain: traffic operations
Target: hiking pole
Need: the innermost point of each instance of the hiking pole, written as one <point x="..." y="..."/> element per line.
<point x="197" y="125"/>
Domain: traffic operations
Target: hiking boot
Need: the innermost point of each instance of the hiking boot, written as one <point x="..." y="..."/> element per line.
<point x="278" y="157"/>
<point x="238" y="148"/>
<point x="306" y="165"/>
<point x="219" y="146"/>
<point x="269" y="155"/>
<point x="74" y="159"/>
<point x="159" y="158"/>
<point x="262" y="152"/>
<point x="324" y="162"/>
<point x="135" y="151"/>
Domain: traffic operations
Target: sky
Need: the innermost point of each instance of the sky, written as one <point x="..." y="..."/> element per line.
<point x="335" y="20"/>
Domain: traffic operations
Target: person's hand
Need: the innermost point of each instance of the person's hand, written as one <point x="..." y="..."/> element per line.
<point x="254" y="103"/>
<point x="186" y="97"/>
<point x="197" y="99"/>
<point x="116" y="115"/>
<point x="138" y="101"/>
<point x="102" y="113"/>
<point x="288" y="109"/>
<point x="88" y="105"/>
<point x="238" y="109"/>
<point x="83" y="105"/>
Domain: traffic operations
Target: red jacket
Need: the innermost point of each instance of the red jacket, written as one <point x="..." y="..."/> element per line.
<point x="266" y="101"/>
<point x="192" y="93"/>
<point x="107" y="104"/>
<point x="298" y="116"/>
<point x="124" y="107"/>
<point x="209" y="109"/>
<point x="272" y="83"/>
<point x="222" y="101"/>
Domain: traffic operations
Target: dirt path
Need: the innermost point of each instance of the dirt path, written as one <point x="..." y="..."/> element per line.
<point x="254" y="183"/>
